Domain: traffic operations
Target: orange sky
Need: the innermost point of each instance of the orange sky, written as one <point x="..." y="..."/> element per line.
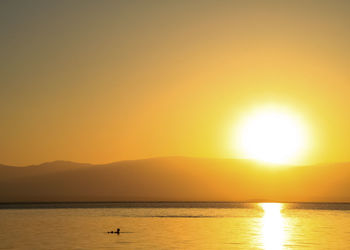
<point x="101" y="81"/>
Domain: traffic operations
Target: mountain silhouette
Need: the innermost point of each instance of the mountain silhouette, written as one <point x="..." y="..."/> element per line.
<point x="174" y="179"/>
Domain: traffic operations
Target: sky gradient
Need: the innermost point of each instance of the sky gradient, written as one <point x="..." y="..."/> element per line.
<point x="102" y="81"/>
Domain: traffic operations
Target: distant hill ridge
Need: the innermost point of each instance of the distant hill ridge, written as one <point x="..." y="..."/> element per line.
<point x="174" y="179"/>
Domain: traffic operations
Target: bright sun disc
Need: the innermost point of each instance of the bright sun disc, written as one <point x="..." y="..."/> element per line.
<point x="272" y="135"/>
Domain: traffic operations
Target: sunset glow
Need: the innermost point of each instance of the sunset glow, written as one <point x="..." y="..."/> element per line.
<point x="174" y="124"/>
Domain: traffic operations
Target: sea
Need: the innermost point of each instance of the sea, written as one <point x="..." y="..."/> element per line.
<point x="175" y="225"/>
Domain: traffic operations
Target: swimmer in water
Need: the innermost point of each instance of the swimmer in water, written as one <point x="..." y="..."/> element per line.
<point x="116" y="232"/>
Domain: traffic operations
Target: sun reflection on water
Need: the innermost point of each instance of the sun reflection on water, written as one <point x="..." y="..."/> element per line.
<point x="273" y="233"/>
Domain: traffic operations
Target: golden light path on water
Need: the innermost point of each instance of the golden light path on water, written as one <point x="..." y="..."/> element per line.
<point x="273" y="233"/>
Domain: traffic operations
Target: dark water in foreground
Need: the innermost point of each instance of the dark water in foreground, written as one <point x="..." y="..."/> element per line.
<point x="175" y="226"/>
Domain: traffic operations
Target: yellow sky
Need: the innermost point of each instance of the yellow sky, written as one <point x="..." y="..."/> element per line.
<point x="101" y="81"/>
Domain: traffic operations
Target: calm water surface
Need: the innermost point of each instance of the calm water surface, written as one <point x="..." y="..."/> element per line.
<point x="175" y="226"/>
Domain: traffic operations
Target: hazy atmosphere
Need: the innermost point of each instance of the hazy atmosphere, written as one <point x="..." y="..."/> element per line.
<point x="103" y="81"/>
<point x="174" y="124"/>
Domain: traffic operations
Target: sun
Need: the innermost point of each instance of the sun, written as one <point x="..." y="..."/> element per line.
<point x="272" y="135"/>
